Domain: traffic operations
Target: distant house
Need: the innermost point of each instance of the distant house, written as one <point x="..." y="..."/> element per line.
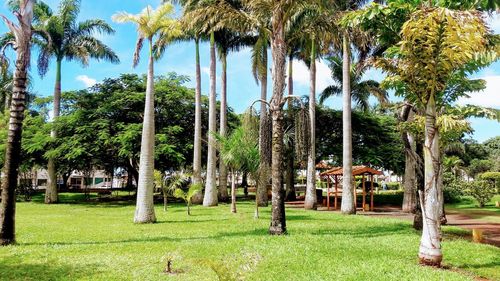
<point x="38" y="179"/>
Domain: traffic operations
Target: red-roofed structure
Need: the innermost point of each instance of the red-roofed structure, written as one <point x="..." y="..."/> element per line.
<point x="334" y="175"/>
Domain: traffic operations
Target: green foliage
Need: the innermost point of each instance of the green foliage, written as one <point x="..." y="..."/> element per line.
<point x="495" y="176"/>
<point x="478" y="166"/>
<point x="481" y="190"/>
<point x="376" y="139"/>
<point x="188" y="194"/>
<point x="453" y="188"/>
<point x="393" y="186"/>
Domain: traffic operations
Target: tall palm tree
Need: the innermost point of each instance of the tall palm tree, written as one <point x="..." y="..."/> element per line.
<point x="67" y="39"/>
<point x="22" y="32"/>
<point x="156" y="27"/>
<point x="194" y="32"/>
<point x="226" y="41"/>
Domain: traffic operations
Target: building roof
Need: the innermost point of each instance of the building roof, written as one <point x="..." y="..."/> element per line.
<point x="356" y="171"/>
<point x="323" y="165"/>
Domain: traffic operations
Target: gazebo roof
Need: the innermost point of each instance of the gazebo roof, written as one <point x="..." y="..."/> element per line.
<point x="356" y="171"/>
<point x="323" y="165"/>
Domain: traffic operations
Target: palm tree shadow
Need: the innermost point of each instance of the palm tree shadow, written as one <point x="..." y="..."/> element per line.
<point x="16" y="269"/>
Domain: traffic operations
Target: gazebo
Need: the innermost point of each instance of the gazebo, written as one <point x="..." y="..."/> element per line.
<point x="337" y="172"/>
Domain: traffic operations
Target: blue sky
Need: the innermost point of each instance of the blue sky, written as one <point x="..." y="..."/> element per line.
<point x="242" y="89"/>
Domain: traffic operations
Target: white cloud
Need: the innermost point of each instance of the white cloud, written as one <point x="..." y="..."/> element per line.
<point x="87" y="81"/>
<point x="494" y="22"/>
<point x="323" y="75"/>
<point x="489" y="97"/>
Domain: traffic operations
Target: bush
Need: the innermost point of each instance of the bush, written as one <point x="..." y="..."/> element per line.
<point x="482" y="190"/>
<point x="453" y="188"/>
<point x="393" y="185"/>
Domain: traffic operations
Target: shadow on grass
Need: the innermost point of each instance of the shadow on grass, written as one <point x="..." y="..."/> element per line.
<point x="15" y="269"/>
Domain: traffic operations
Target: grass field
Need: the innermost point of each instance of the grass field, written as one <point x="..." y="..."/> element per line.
<point x="468" y="206"/>
<point x="98" y="241"/>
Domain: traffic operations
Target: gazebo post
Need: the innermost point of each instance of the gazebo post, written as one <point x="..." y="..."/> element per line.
<point x="355" y="192"/>
<point x="328" y="192"/>
<point x="336" y="191"/>
<point x="364" y="192"/>
<point x="371" y="193"/>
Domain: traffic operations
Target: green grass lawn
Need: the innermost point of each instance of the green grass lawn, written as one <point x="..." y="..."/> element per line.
<point x="98" y="241"/>
<point x="469" y="206"/>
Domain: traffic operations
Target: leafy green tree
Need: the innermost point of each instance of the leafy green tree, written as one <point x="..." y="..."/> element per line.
<point x="67" y="39"/>
<point x="150" y="24"/>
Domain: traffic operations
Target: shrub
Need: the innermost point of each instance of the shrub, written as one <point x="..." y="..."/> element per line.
<point x="453" y="188"/>
<point x="482" y="190"/>
<point x="393" y="186"/>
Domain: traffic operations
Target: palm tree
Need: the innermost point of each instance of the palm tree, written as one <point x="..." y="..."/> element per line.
<point x="156" y="27"/>
<point x="22" y="32"/>
<point x="193" y="32"/>
<point x="226" y="41"/>
<point x="361" y="89"/>
<point x="68" y="40"/>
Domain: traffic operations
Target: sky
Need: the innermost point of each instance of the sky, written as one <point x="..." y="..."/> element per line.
<point x="242" y="89"/>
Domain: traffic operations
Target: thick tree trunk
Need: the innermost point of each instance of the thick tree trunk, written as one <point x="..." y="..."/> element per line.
<point x="14" y="137"/>
<point x="233" y="192"/>
<point x="311" y="201"/>
<point x="144" y="211"/>
<point x="198" y="197"/>
<point x="51" y="195"/>
<point x="223" y="128"/>
<point x="210" y="198"/>
<point x="278" y="46"/>
<point x="430" y="244"/>
<point x="261" y="196"/>
<point x="348" y="206"/>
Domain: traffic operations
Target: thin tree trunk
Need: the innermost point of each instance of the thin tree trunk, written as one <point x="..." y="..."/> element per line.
<point x="278" y="45"/>
<point x="291" y="195"/>
<point x="430" y="244"/>
<point x="14" y="137"/>
<point x="409" y="181"/>
<point x="311" y="201"/>
<point x="261" y="193"/>
<point x="417" y="219"/>
<point x="210" y="198"/>
<point x="233" y="192"/>
<point x="51" y="195"/>
<point x="198" y="197"/>
<point x="223" y="128"/>
<point x="144" y="211"/>
<point x="165" y="200"/>
<point x="348" y="191"/>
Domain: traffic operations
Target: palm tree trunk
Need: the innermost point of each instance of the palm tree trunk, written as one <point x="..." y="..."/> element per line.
<point x="144" y="211"/>
<point x="430" y="244"/>
<point x="311" y="201"/>
<point x="222" y="128"/>
<point x="210" y="198"/>
<point x="290" y="174"/>
<point x="233" y="192"/>
<point x="261" y="197"/>
<point x="198" y="197"/>
<point x="14" y="137"/>
<point x="51" y="195"/>
<point x="278" y="46"/>
<point x="348" y="191"/>
<point x="410" y="184"/>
